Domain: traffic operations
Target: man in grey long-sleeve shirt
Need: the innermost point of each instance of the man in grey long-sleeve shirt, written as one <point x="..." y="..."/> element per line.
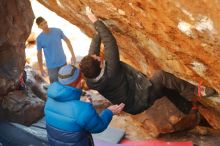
<point x="119" y="82"/>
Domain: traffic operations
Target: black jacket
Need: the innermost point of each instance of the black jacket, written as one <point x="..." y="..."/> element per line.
<point x="120" y="82"/>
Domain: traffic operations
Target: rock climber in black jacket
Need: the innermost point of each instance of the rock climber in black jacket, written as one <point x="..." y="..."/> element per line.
<point x="121" y="83"/>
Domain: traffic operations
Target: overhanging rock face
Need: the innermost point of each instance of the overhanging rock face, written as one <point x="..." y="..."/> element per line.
<point x="181" y="37"/>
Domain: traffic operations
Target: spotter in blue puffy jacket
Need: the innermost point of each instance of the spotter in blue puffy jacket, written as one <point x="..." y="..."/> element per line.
<point x="70" y="121"/>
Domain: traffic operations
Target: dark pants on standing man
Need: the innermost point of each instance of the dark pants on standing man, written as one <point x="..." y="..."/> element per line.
<point x="178" y="91"/>
<point x="53" y="74"/>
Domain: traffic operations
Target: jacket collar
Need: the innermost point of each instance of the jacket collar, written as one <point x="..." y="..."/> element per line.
<point x="101" y="73"/>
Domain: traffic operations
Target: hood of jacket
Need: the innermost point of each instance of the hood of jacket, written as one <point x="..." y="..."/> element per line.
<point x="61" y="92"/>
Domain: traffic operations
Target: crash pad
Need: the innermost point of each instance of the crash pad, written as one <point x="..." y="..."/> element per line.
<point x="105" y="143"/>
<point x="10" y="135"/>
<point x="156" y="143"/>
<point x="112" y="135"/>
<point x="37" y="129"/>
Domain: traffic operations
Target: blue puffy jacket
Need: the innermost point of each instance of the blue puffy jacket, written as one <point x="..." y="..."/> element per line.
<point x="69" y="120"/>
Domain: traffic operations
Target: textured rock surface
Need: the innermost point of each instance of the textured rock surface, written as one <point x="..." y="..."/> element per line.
<point x="22" y="108"/>
<point x="16" y="22"/>
<point x="25" y="106"/>
<point x="162" y="117"/>
<point x="181" y="37"/>
<point x="170" y="120"/>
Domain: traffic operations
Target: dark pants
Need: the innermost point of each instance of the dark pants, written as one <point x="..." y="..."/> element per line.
<point x="53" y="74"/>
<point x="175" y="89"/>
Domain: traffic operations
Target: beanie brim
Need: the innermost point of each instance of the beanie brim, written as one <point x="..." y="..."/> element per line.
<point x="71" y="79"/>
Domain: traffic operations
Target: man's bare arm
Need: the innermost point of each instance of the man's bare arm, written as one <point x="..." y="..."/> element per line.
<point x="69" y="45"/>
<point x="40" y="62"/>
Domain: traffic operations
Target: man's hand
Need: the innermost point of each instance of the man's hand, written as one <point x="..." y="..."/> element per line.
<point x="73" y="60"/>
<point x="90" y="15"/>
<point x="88" y="99"/>
<point x="116" y="109"/>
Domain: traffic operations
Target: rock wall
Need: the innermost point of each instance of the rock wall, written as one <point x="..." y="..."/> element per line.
<point x="17" y="105"/>
<point x="16" y="22"/>
<point x="181" y="37"/>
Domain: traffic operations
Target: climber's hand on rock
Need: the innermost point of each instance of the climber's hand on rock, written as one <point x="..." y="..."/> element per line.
<point x="90" y="15"/>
